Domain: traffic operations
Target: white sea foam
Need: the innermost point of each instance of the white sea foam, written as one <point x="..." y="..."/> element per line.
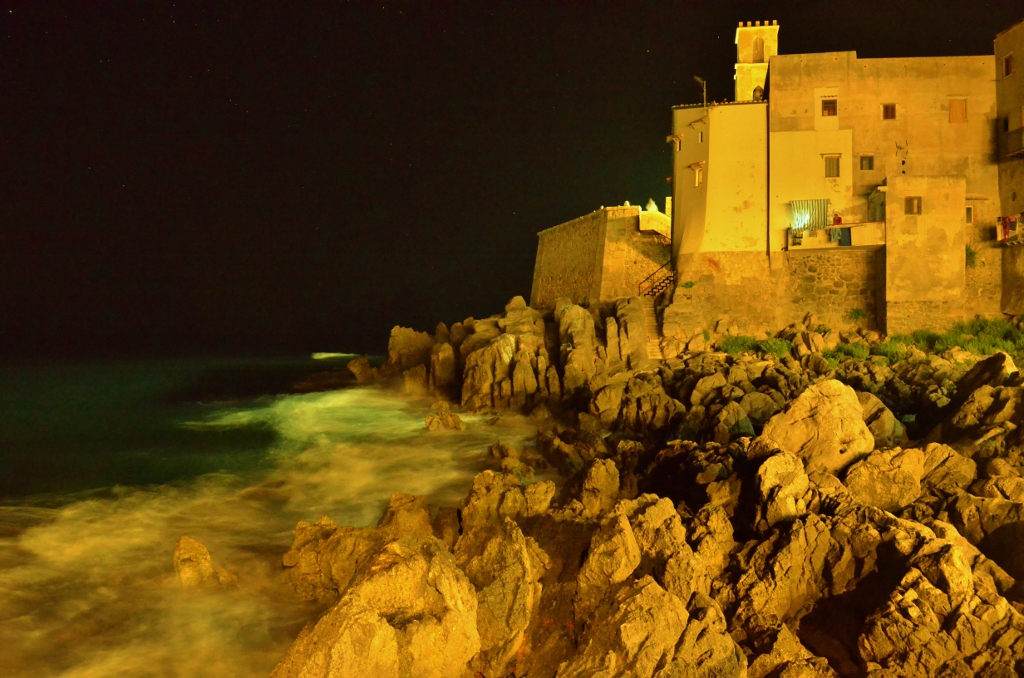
<point x="88" y="589"/>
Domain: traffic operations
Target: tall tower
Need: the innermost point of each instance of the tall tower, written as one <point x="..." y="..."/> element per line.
<point x="755" y="45"/>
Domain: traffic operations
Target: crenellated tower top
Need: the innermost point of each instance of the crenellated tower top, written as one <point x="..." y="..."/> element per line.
<point x="756" y="43"/>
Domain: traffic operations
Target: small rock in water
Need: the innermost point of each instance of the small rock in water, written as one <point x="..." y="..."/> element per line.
<point x="194" y="567"/>
<point x="443" y="419"/>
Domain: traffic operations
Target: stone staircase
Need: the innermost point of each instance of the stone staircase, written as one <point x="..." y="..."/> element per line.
<point x="652" y="329"/>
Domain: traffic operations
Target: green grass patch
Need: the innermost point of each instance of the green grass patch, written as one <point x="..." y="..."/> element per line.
<point x="687" y="285"/>
<point x="856" y="315"/>
<point x="779" y="348"/>
<point x="857" y="350"/>
<point x="982" y="336"/>
<point x="736" y="345"/>
<point x="891" y="350"/>
<point x="832" y="358"/>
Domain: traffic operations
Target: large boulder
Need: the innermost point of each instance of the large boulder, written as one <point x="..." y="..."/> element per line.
<point x="824" y="426"/>
<point x="888" y="480"/>
<point x="408" y="348"/>
<point x="486" y="375"/>
<point x="887" y="430"/>
<point x="411" y="612"/>
<point x="578" y="342"/>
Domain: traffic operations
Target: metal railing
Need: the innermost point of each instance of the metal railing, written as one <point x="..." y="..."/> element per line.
<point x="659" y="281"/>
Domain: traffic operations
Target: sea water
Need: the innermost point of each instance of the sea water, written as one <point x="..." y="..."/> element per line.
<point x="103" y="466"/>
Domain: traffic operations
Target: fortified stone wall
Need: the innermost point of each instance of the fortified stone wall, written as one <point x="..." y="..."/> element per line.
<point x="629" y="257"/>
<point x="568" y="261"/>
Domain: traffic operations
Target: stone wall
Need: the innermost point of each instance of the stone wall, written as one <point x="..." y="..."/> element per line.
<point x="629" y="257"/>
<point x="568" y="261"/>
<point x="1013" y="280"/>
<point x="903" y="317"/>
<point x="836" y="284"/>
<point x="983" y="283"/>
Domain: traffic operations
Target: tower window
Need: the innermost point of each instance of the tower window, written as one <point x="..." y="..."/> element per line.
<point x="970" y="214"/>
<point x="867" y="162"/>
<point x="912" y="204"/>
<point x="1006" y="123"/>
<point x="958" y="110"/>
<point x="758" y="50"/>
<point x="1007" y="65"/>
<point x="888" y="111"/>
<point x="829" y="107"/>
<point x="698" y="176"/>
<point x="831" y="166"/>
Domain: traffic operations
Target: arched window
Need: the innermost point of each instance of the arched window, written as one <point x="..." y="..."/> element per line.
<point x="758" y="50"/>
<point x="758" y="93"/>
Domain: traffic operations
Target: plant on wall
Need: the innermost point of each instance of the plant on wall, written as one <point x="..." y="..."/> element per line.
<point x="971" y="256"/>
<point x="855" y="315"/>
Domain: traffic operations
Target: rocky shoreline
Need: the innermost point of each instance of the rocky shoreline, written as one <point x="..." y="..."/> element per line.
<point x="721" y="515"/>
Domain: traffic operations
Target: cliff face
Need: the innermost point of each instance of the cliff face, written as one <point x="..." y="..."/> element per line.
<point x="719" y="515"/>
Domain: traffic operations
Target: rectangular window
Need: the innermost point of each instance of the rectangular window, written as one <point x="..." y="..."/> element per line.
<point x="958" y="110"/>
<point x="831" y="166"/>
<point x="912" y="205"/>
<point x="1007" y="65"/>
<point x="970" y="214"/>
<point x="700" y="137"/>
<point x="698" y="176"/>
<point x="888" y="111"/>
<point x="829" y="107"/>
<point x="867" y="162"/>
<point x="1006" y="123"/>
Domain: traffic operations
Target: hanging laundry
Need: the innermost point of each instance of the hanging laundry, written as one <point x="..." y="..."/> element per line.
<point x="810" y="214"/>
<point x="835" y="234"/>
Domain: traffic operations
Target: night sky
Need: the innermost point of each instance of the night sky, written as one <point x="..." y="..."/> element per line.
<point x="268" y="178"/>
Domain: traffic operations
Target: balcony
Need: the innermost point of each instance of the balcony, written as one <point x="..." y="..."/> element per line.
<point x="1013" y="143"/>
<point x="862" y="235"/>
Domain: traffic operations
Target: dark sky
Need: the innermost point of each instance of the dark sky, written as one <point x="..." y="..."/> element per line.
<point x="289" y="177"/>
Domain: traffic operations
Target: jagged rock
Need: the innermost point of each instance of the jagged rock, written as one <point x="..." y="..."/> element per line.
<point x="443" y="370"/>
<point x="607" y="402"/>
<point x="442" y="418"/>
<point x="632" y="332"/>
<point x="524" y="380"/>
<point x="506" y="576"/>
<point x="486" y="369"/>
<point x="782" y="484"/>
<point x="945" y="468"/>
<point x="361" y="370"/>
<point x="612" y="557"/>
<point x="578" y="355"/>
<point x="888" y="480"/>
<point x="806" y="343"/>
<point x="887" y="430"/>
<point x="823" y="426"/>
<point x="520" y="318"/>
<point x="600" y="487"/>
<point x="415" y="381"/>
<point x="731" y="422"/>
<point x="634" y="633"/>
<point x="786" y="656"/>
<point x="412" y="612"/>
<point x="194" y="567"/>
<point x="408" y="348"/>
<point x="324" y="559"/>
<point x="759" y="407"/>
<point x="705" y="649"/>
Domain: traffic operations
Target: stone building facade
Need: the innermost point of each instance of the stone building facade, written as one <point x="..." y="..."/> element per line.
<point x="866" y="190"/>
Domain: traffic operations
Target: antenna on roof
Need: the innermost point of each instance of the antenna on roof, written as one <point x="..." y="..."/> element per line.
<point x="704" y="88"/>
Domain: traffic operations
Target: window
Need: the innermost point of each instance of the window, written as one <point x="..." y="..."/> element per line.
<point x="758" y="50"/>
<point x="888" y="111"/>
<point x="829" y="107"/>
<point x="1006" y="123"/>
<point x="698" y="176"/>
<point x="700" y="137"/>
<point x="970" y="214"/>
<point x="958" y="110"/>
<point x="831" y="166"/>
<point x="1007" y="65"/>
<point x="867" y="162"/>
<point x="912" y="205"/>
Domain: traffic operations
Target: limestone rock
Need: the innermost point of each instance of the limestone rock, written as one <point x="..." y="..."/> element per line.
<point x="612" y="557"/>
<point x="888" y="480"/>
<point x="192" y="564"/>
<point x="634" y="633"/>
<point x="600" y="487"/>
<point x="408" y="348"/>
<point x="578" y="354"/>
<point x="947" y="469"/>
<point x="441" y="418"/>
<point x="782" y="484"/>
<point x="887" y="430"/>
<point x="416" y="381"/>
<point x="823" y="426"/>
<point x="411" y="613"/>
<point x="361" y="370"/>
<point x="443" y="370"/>
<point x="486" y="368"/>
